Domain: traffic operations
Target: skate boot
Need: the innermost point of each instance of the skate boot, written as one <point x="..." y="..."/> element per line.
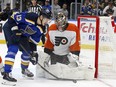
<point x="8" y="77"/>
<point x="27" y="73"/>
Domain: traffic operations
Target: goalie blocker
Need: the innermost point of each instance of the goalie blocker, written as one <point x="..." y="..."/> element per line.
<point x="60" y="70"/>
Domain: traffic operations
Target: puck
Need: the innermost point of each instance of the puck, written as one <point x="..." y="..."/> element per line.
<point x="75" y="81"/>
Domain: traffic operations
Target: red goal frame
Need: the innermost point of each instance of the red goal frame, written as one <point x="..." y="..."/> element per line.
<point x="96" y="40"/>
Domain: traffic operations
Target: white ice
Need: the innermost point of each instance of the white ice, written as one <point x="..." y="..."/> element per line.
<point x="42" y="82"/>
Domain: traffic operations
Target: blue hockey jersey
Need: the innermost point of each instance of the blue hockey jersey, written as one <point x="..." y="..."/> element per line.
<point x="26" y="23"/>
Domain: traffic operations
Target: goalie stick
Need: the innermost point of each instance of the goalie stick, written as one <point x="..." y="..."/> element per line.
<point x="66" y="79"/>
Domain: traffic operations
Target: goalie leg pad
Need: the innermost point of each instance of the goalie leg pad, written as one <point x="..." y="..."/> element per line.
<point x="39" y="72"/>
<point x="41" y="59"/>
<point x="89" y="73"/>
<point x="64" y="71"/>
<point x="55" y="69"/>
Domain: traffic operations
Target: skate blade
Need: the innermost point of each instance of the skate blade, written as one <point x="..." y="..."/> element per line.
<point x="8" y="83"/>
<point x="29" y="78"/>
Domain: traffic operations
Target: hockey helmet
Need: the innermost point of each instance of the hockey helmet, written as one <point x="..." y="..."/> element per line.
<point x="61" y="21"/>
<point x="46" y="13"/>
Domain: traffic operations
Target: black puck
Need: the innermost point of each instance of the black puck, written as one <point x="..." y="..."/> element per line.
<point x="75" y="81"/>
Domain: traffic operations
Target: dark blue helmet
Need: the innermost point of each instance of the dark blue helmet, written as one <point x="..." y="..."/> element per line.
<point x="46" y="13"/>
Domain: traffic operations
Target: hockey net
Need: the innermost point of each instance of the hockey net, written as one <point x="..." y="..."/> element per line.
<point x="98" y="44"/>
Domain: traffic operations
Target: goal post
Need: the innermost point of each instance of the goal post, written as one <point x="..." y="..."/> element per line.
<point x="82" y="21"/>
<point x="97" y="35"/>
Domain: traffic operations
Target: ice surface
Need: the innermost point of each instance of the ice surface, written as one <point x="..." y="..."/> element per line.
<point x="42" y="82"/>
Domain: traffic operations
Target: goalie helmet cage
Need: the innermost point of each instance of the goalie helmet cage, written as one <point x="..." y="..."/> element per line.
<point x="97" y="35"/>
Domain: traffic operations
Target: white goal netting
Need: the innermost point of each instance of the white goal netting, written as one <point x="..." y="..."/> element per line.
<point x="98" y="51"/>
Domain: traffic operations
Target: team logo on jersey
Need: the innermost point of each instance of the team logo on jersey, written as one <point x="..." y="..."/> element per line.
<point x="60" y="40"/>
<point x="28" y="30"/>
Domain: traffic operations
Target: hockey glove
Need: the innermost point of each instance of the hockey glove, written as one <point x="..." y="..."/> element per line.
<point x="16" y="34"/>
<point x="74" y="60"/>
<point x="72" y="57"/>
<point x="46" y="29"/>
<point x="34" y="59"/>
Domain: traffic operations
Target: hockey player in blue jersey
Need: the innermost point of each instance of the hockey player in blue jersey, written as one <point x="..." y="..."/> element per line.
<point x="19" y="29"/>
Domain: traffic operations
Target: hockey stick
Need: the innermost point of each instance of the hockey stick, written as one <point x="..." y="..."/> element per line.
<point x="46" y="69"/>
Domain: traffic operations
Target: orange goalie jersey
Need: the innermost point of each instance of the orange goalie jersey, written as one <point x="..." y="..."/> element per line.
<point x="61" y="43"/>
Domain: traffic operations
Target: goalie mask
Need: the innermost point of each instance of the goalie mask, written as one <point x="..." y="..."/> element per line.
<point x="61" y="21"/>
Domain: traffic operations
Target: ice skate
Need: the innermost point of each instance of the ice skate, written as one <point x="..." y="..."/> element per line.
<point x="8" y="79"/>
<point x="27" y="73"/>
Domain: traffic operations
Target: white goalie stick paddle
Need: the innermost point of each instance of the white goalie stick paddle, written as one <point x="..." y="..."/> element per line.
<point x="66" y="79"/>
